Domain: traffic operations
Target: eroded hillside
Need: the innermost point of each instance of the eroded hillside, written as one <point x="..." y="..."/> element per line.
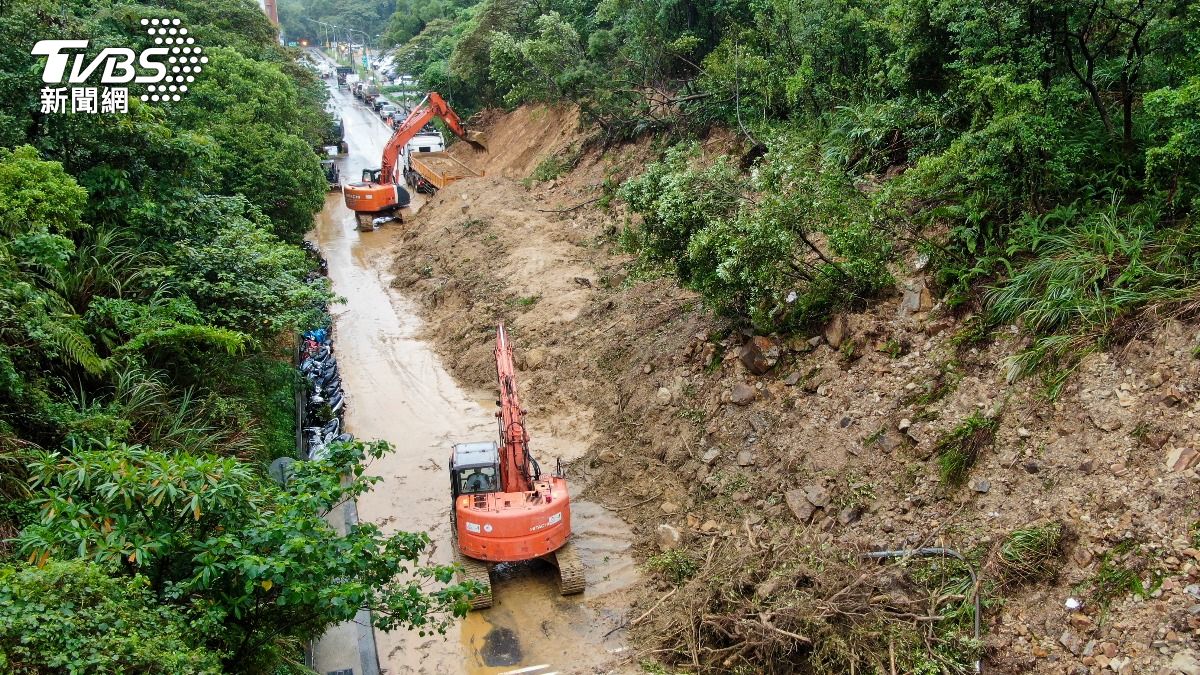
<point x="756" y="469"/>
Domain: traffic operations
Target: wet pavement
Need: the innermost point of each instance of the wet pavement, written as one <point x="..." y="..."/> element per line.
<point x="397" y="390"/>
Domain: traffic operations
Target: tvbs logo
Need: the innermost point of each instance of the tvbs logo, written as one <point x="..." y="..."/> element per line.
<point x="166" y="70"/>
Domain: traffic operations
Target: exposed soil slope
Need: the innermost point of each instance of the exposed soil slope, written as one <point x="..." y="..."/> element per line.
<point x="833" y="447"/>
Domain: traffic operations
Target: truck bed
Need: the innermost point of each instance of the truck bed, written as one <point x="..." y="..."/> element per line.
<point x="441" y="169"/>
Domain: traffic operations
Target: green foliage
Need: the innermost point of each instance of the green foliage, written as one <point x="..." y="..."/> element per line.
<point x="958" y="449"/>
<point x="148" y="271"/>
<point x="74" y="617"/>
<point x="1087" y="285"/>
<point x="1126" y="569"/>
<point x="543" y="67"/>
<point x="948" y="126"/>
<point x="676" y="565"/>
<point x="784" y="260"/>
<point x="677" y="201"/>
<point x="1173" y="158"/>
<point x="1029" y="552"/>
<point x="257" y="563"/>
<point x="243" y="279"/>
<point x="36" y="195"/>
<point x="552" y="167"/>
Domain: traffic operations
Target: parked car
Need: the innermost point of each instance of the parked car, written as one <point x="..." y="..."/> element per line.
<point x="379" y="102"/>
<point x="386" y="110"/>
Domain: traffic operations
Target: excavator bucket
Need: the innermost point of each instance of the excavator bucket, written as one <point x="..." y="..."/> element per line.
<point x="477" y="140"/>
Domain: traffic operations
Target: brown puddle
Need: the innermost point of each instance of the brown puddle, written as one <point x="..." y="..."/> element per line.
<point x="397" y="390"/>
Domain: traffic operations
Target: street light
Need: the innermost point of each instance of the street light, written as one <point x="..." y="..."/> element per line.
<point x="366" y="50"/>
<point x="321" y="23"/>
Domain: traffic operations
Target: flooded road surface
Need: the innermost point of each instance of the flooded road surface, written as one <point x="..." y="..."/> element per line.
<point x="397" y="390"/>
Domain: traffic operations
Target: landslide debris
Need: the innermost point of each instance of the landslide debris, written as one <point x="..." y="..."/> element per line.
<point x="757" y="468"/>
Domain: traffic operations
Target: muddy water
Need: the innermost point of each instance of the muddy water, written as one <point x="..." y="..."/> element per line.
<point x="397" y="390"/>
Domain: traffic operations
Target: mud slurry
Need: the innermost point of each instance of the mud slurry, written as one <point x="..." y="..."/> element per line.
<point x="398" y="390"/>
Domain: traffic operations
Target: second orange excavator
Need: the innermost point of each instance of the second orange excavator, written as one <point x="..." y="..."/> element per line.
<point x="505" y="509"/>
<point x="381" y="192"/>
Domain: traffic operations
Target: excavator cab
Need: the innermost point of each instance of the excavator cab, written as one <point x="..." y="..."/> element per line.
<point x="371" y="175"/>
<point x="474" y="468"/>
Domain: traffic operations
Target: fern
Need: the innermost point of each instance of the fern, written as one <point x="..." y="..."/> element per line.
<point x="72" y="344"/>
<point x="232" y="342"/>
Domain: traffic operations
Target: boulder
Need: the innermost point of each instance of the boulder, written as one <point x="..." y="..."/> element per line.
<point x="759" y="354"/>
<point x="745" y="458"/>
<point x="917" y="298"/>
<point x="669" y="537"/>
<point x="836" y="330"/>
<point x="817" y="495"/>
<point x="799" y="505"/>
<point x="1186" y="663"/>
<point x="849" y="515"/>
<point x="742" y="394"/>
<point x="1181" y="459"/>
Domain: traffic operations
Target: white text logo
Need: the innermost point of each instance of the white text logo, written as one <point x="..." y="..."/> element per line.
<point x="166" y="69"/>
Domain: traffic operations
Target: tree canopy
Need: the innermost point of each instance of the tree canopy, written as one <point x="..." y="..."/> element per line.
<point x="151" y="287"/>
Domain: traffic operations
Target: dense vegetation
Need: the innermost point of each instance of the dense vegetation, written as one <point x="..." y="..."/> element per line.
<point x="151" y="287"/>
<point x="1041" y="155"/>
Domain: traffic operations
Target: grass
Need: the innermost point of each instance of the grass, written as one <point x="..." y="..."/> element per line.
<point x="676" y="565"/>
<point x="526" y="300"/>
<point x="958" y="450"/>
<point x="1093" y="285"/>
<point x="893" y="348"/>
<point x="554" y="166"/>
<point x="1121" y="573"/>
<point x="608" y="189"/>
<point x="857" y="492"/>
<point x="942" y="385"/>
<point x="874" y="436"/>
<point x="953" y="649"/>
<point x="975" y="331"/>
<point x="849" y="351"/>
<point x="1027" y="552"/>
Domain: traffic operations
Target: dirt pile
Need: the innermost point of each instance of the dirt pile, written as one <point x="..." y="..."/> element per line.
<point x="754" y="460"/>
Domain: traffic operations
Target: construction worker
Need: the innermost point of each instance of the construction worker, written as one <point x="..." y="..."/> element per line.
<point x="478" y="481"/>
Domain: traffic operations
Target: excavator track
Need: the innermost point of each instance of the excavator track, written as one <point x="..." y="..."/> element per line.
<point x="475" y="570"/>
<point x="570" y="570"/>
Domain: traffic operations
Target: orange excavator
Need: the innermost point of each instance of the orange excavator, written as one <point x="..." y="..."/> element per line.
<point x="505" y="509"/>
<point x="380" y="193"/>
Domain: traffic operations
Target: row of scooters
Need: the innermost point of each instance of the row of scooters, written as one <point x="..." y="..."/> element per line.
<point x="325" y="402"/>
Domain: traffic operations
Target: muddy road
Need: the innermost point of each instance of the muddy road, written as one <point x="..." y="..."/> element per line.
<point x="398" y="390"/>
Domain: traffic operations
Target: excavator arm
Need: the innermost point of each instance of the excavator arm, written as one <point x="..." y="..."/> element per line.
<point x="517" y="469"/>
<point x="431" y="106"/>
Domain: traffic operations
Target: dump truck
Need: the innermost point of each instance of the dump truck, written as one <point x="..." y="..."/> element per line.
<point x="342" y="73"/>
<point x="432" y="171"/>
<point x="428" y="167"/>
<point x="370" y="92"/>
<point x="379" y="195"/>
